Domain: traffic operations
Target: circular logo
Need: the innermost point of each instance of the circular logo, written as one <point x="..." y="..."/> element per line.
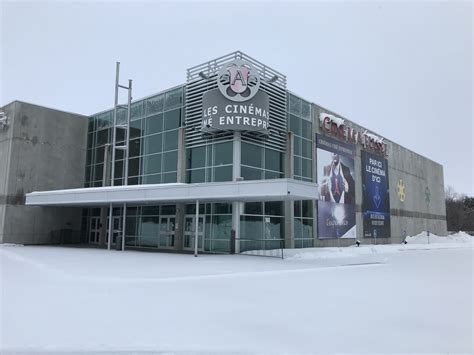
<point x="238" y="80"/>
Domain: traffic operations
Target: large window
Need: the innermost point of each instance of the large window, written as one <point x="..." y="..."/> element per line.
<point x="303" y="224"/>
<point x="262" y="226"/>
<point x="217" y="227"/>
<point x="154" y="126"/>
<point x="299" y="123"/>
<point x="259" y="163"/>
<point x="209" y="163"/>
<point x="150" y="226"/>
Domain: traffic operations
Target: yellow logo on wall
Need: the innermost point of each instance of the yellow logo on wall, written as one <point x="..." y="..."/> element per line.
<point x="401" y="190"/>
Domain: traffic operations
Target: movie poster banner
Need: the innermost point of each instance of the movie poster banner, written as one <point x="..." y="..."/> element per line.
<point x="336" y="204"/>
<point x="375" y="194"/>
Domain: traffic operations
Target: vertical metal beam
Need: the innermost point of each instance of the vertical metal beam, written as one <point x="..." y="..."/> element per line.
<point x="112" y="174"/>
<point x="117" y="73"/>
<point x="127" y="137"/>
<point x="124" y="225"/>
<point x="196" y="232"/>
<point x="126" y="153"/>
<point x="110" y="232"/>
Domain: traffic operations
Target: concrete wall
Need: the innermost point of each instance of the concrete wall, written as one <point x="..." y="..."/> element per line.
<point x="420" y="175"/>
<point x="48" y="149"/>
<point x="423" y="207"/>
<point x="6" y="134"/>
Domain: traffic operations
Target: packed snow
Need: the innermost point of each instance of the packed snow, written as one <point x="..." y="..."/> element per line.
<point x="415" y="297"/>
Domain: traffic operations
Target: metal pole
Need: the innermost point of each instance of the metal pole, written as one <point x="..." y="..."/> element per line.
<point x="127" y="139"/>
<point x="112" y="175"/>
<point x="127" y="145"/>
<point x="110" y="227"/>
<point x="124" y="225"/>
<point x="196" y="232"/>
<point x="115" y="122"/>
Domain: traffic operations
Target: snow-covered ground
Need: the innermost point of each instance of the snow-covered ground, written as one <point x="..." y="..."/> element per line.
<point x="413" y="298"/>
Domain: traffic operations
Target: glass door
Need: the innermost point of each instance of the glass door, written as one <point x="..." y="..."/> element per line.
<point x="190" y="232"/>
<point x="116" y="230"/>
<point x="94" y="230"/>
<point x="167" y="231"/>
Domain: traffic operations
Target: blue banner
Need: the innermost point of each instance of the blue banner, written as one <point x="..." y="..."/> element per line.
<point x="376" y="196"/>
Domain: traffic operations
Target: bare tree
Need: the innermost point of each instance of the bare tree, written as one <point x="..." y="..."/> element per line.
<point x="459" y="211"/>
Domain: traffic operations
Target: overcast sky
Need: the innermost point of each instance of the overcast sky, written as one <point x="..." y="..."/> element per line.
<point x="401" y="69"/>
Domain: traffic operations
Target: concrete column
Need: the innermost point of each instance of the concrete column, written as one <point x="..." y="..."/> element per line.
<point x="236" y="206"/>
<point x="289" y="210"/>
<point x="105" y="182"/>
<point x="179" y="228"/>
<point x="289" y="224"/>
<point x="289" y="171"/>
<point x="181" y="155"/>
<point x="236" y="156"/>
<point x="103" y="225"/>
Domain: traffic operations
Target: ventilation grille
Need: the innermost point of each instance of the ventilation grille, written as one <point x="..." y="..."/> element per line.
<point x="197" y="85"/>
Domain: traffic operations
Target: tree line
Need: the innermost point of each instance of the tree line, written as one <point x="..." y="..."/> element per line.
<point x="459" y="211"/>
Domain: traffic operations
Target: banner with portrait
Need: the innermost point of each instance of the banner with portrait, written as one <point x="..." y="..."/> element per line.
<point x="375" y="196"/>
<point x="336" y="183"/>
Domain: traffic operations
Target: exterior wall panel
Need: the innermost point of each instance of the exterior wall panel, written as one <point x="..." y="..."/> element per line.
<point x="47" y="152"/>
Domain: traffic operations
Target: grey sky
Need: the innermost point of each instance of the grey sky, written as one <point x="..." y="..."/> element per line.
<point x="401" y="69"/>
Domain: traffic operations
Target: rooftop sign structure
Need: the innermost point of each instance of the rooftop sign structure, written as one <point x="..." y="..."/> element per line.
<point x="235" y="93"/>
<point x="237" y="104"/>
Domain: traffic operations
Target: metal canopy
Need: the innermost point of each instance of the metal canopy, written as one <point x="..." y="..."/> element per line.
<point x="259" y="190"/>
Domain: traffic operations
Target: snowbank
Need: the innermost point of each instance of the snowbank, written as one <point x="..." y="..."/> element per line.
<point x="368" y="253"/>
<point x="423" y="238"/>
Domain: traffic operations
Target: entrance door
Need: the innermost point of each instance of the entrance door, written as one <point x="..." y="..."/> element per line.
<point x="116" y="230"/>
<point x="190" y="232"/>
<point x="167" y="228"/>
<point x="94" y="230"/>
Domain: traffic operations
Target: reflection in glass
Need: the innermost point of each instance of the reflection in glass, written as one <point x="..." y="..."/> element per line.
<point x="153" y="144"/>
<point x="223" y="153"/>
<point x="154" y="104"/>
<point x="172" y="119"/>
<point x="171" y="140"/>
<point x="170" y="161"/>
<point x="154" y="124"/>
<point x="173" y="99"/>
<point x="252" y="155"/>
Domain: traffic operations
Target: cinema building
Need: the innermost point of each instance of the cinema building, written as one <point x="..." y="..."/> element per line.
<point x="231" y="158"/>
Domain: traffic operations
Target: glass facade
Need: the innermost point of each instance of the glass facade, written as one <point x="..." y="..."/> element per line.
<point x="153" y="153"/>
<point x="151" y="226"/>
<point x="153" y="159"/>
<point x="303" y="232"/>
<point x="300" y="124"/>
<point x="262" y="226"/>
<point x="217" y="225"/>
<point x="209" y="163"/>
<point x="259" y="162"/>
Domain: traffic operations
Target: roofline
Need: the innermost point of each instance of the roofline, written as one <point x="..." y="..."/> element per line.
<point x="49" y="108"/>
<point x="143" y="98"/>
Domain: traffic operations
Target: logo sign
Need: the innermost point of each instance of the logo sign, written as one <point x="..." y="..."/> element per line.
<point x="337" y="127"/>
<point x="238" y="80"/>
<point x="237" y="104"/>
